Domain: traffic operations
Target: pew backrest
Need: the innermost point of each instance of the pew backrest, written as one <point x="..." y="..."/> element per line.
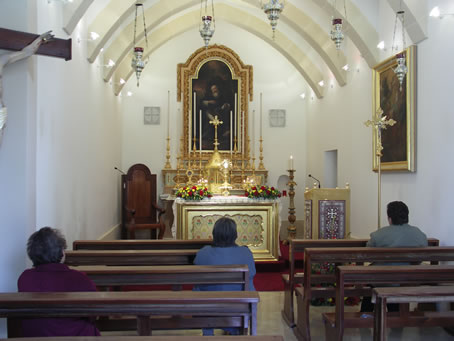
<point x="175" y="275"/>
<point x="141" y="244"/>
<point x="130" y="257"/>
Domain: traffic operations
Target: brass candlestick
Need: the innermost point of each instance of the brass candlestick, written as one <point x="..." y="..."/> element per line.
<point x="168" y="165"/>
<point x="291" y="230"/>
<point x="177" y="182"/>
<point x="261" y="165"/>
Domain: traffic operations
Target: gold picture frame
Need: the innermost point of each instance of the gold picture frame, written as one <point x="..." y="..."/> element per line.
<point x="400" y="105"/>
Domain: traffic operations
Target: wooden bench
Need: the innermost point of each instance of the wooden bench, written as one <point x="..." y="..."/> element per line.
<point x="292" y="279"/>
<point x="174" y="275"/>
<point x="356" y="255"/>
<point x="406" y="295"/>
<point x="348" y="276"/>
<point x="141" y="244"/>
<point x="152" y="338"/>
<point x="130" y="257"/>
<point x="207" y="309"/>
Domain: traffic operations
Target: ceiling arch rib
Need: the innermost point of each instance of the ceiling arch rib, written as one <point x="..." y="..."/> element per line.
<point x="414" y="28"/>
<point x="117" y="11"/>
<point x="163" y="10"/>
<point x="358" y="29"/>
<point x="292" y="52"/>
<point x="73" y="12"/>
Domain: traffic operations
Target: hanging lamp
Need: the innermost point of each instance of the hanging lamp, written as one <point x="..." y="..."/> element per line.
<point x="273" y="10"/>
<point x="401" y="69"/>
<point x="205" y="29"/>
<point x="137" y="63"/>
<point x="337" y="35"/>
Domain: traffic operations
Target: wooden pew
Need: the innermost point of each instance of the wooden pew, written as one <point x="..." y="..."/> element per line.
<point x="291" y="280"/>
<point x="406" y="295"/>
<point x="205" y="308"/>
<point x="175" y="275"/>
<point x="356" y="255"/>
<point x="141" y="244"/>
<point x="130" y="257"/>
<point x="349" y="276"/>
<point x="153" y="338"/>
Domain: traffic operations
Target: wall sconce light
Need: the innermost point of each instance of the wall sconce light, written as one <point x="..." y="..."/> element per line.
<point x="345" y="67"/>
<point x="93" y="37"/>
<point x="111" y="63"/>
<point x="303" y="95"/>
<point x="435" y="13"/>
<point x="381" y="45"/>
<point x="122" y="81"/>
<point x="129" y="94"/>
<point x="321" y="83"/>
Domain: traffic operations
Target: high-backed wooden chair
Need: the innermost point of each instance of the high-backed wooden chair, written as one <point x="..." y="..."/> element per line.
<point x="139" y="208"/>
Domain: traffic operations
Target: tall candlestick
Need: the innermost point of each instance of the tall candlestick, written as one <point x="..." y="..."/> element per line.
<point x="168" y="113"/>
<point x="290" y="162"/>
<point x="234" y="116"/>
<point x="200" y="131"/>
<point x="243" y="129"/>
<point x="260" y="115"/>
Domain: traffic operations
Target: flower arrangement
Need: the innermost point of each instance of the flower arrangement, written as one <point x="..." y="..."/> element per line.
<point x="196" y="192"/>
<point x="262" y="192"/>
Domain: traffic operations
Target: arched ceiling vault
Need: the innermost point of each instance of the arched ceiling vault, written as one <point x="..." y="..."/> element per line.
<point x="121" y="48"/>
<point x="112" y="25"/>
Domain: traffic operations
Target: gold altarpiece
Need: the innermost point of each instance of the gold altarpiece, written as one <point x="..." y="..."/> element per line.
<point x="215" y="85"/>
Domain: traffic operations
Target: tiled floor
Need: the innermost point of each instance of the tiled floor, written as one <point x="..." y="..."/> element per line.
<point x="270" y="323"/>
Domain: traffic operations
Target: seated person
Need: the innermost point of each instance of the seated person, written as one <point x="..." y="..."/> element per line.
<point x="46" y="248"/>
<point x="398" y="234"/>
<point x="224" y="251"/>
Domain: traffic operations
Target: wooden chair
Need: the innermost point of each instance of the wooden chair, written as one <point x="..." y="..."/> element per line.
<point x="139" y="208"/>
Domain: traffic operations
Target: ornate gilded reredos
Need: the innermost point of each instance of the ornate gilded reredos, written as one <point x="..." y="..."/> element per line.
<point x="188" y="70"/>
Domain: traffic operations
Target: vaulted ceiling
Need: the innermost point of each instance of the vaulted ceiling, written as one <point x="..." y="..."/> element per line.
<point x="167" y="19"/>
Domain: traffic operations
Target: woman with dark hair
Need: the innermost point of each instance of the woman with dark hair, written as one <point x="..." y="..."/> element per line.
<point x="225" y="251"/>
<point x="46" y="249"/>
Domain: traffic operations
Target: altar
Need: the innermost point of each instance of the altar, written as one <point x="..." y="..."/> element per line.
<point x="257" y="222"/>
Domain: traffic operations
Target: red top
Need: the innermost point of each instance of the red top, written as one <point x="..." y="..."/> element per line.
<point x="56" y="277"/>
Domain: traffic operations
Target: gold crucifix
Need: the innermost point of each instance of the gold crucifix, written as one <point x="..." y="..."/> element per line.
<point x="379" y="122"/>
<point x="216" y="123"/>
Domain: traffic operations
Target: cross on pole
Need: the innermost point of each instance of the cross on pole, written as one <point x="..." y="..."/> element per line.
<point x="379" y="122"/>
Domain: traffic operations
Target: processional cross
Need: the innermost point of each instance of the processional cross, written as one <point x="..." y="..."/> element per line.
<point x="216" y="123"/>
<point x="379" y="122"/>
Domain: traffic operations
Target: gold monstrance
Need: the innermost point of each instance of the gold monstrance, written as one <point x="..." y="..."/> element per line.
<point x="215" y="162"/>
<point x="379" y="122"/>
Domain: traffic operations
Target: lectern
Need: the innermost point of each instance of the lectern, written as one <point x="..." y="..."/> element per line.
<point x="327" y="213"/>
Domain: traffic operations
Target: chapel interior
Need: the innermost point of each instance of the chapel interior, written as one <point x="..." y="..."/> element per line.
<point x="74" y="126"/>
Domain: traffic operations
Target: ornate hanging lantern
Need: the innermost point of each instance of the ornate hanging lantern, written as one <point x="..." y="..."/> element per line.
<point x="337" y="35"/>
<point x="137" y="63"/>
<point x="205" y="29"/>
<point x="273" y="10"/>
<point x="401" y="69"/>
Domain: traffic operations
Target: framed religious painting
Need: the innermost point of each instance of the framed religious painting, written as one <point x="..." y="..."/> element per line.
<point x="214" y="85"/>
<point x="398" y="103"/>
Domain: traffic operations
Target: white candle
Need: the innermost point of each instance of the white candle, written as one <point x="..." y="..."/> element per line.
<point x="195" y="114"/>
<point x="231" y="138"/>
<point x="234" y="116"/>
<point x="200" y="130"/>
<point x="290" y="162"/>
<point x="260" y="115"/>
<point x="243" y="129"/>
<point x="168" y="113"/>
<point x="253" y="133"/>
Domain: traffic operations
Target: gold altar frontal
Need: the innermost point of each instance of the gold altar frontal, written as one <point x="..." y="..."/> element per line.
<point x="257" y="222"/>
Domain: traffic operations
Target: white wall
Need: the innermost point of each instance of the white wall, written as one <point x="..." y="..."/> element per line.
<point x="340" y="115"/>
<point x="274" y="76"/>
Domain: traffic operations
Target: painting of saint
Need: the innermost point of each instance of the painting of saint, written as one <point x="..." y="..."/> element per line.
<point x="215" y="91"/>
<point x="393" y="102"/>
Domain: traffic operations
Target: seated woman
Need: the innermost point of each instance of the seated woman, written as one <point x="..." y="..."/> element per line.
<point x="46" y="249"/>
<point x="224" y="251"/>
